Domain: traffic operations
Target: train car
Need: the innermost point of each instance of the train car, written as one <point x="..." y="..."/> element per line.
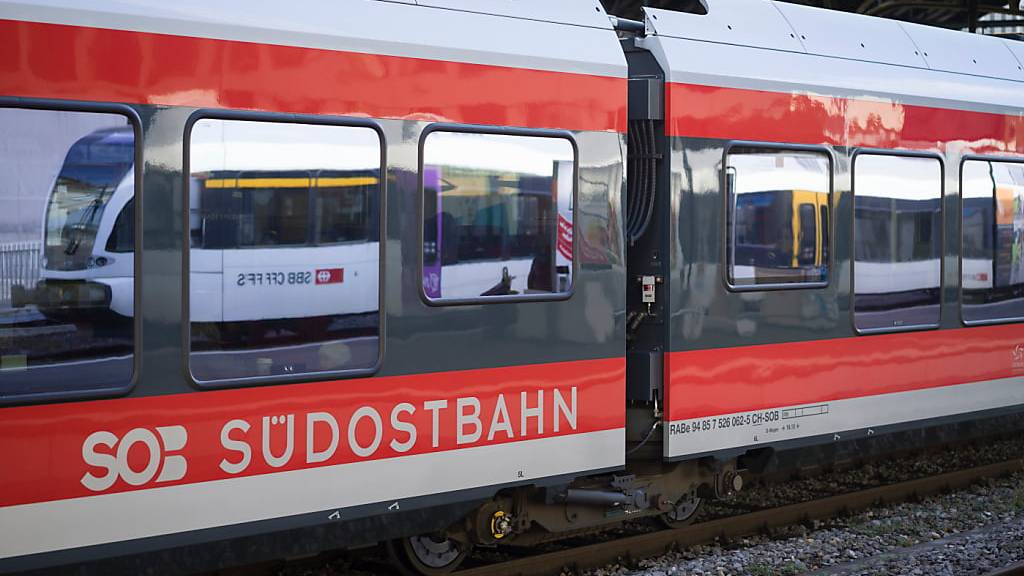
<point x="893" y="333"/>
<point x="321" y="278"/>
<point x="284" y="381"/>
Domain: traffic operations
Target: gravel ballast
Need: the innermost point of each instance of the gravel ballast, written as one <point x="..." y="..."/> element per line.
<point x="971" y="532"/>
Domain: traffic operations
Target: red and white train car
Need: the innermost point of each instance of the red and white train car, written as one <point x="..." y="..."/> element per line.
<point x="278" y="279"/>
<point x="199" y="426"/>
<point x="887" y="329"/>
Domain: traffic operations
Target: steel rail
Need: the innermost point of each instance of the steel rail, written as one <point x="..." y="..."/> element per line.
<point x="1011" y="570"/>
<point x="656" y="543"/>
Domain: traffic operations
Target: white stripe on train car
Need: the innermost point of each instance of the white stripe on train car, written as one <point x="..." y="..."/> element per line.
<point x="64" y="524"/>
<point x="758" y="427"/>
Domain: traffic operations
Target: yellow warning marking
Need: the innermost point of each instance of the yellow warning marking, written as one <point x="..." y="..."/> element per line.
<point x="291" y="182"/>
<point x="345" y="182"/>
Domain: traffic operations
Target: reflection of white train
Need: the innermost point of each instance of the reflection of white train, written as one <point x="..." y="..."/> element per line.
<point x="88" y="230"/>
<point x="977" y="272"/>
<point x="993" y="220"/>
<point x="897" y="236"/>
<point x="898" y="259"/>
<point x="898" y="207"/>
<point x="260" y="237"/>
<point x="256" y="235"/>
<point x="275" y="221"/>
<point x="482" y="239"/>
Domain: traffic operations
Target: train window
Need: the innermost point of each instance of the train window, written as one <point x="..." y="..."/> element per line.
<point x="284" y="253"/>
<point x="66" y="299"/>
<point x="897" y="241"/>
<point x="777" y="217"/>
<point x="992" y="269"/>
<point x="122" y="236"/>
<point x="498" y="216"/>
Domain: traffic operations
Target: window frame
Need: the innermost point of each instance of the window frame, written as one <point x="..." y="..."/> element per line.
<point x="421" y="202"/>
<point x="133" y="120"/>
<point x="726" y="236"/>
<point x="853" y="238"/>
<point x="186" y="321"/>
<point x="960" y="240"/>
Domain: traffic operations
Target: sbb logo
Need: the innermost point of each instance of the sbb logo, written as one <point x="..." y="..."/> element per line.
<point x="105" y="450"/>
<point x="330" y="275"/>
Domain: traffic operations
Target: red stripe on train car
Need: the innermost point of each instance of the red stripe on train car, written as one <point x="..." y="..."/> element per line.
<point x="802" y="118"/>
<point x="730" y="380"/>
<point x="96" y="64"/>
<point x="59" y="451"/>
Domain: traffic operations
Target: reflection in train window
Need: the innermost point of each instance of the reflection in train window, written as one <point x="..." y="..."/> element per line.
<point x="777" y="216"/>
<point x="67" y="270"/>
<point x="122" y="236"/>
<point x="498" y="215"/>
<point x="344" y="208"/>
<point x="285" y="255"/>
<point x="993" y="240"/>
<point x="897" y="241"/>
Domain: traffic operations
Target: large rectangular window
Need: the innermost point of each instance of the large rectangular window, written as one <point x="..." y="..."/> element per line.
<point x="67" y="266"/>
<point x="777" y="217"/>
<point x="284" y="252"/>
<point x="897" y="241"/>
<point x="498" y="215"/>
<point x="992" y="270"/>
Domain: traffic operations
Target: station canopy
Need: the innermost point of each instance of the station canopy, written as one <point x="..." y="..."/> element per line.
<point x="984" y="17"/>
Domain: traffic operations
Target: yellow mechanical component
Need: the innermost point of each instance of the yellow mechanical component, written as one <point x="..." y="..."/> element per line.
<point x="501" y="525"/>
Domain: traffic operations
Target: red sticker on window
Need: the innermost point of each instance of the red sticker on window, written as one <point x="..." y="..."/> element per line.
<point x="564" y="237"/>
<point x="330" y="276"/>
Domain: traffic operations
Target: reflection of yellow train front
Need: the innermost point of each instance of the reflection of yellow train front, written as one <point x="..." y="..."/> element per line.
<point x="777" y="212"/>
<point x="1009" y="266"/>
<point x="799" y="216"/>
<point x="781" y="232"/>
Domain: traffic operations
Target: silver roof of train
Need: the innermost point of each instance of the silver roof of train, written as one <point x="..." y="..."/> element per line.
<point x="775" y="46"/>
<point x="562" y="36"/>
<point x="805" y="29"/>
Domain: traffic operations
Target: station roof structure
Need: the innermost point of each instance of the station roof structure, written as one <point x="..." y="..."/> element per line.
<point x="982" y="16"/>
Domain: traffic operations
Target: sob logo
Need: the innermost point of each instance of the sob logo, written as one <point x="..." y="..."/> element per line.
<point x="105" y="450"/>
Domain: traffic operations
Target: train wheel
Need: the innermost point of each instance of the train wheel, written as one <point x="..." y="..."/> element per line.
<point x="427" y="555"/>
<point x="684" y="512"/>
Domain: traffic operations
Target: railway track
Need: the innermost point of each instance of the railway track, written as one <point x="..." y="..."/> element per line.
<point x="633" y="548"/>
<point x="630" y="549"/>
<point x="1012" y="570"/>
